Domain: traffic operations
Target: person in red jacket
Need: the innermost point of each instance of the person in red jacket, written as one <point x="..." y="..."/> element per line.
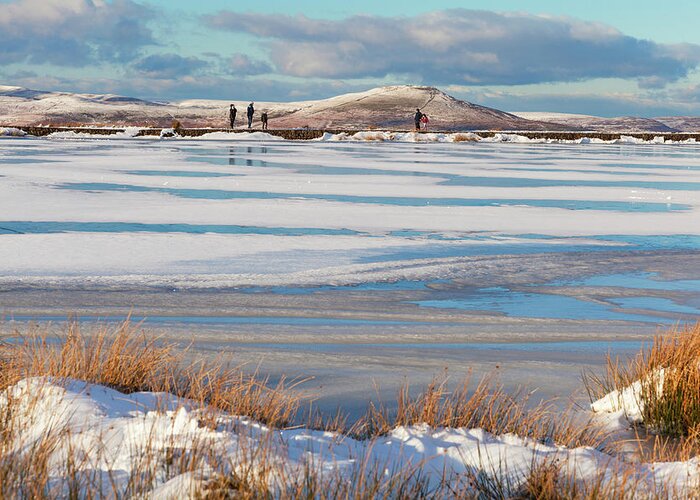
<point x="425" y="120"/>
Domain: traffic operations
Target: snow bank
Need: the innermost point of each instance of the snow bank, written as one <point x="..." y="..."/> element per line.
<point x="132" y="132"/>
<point x="364" y="136"/>
<point x="383" y="136"/>
<point x="11" y="132"/>
<point x="115" y="430"/>
<point x="628" y="402"/>
<point x="127" y="133"/>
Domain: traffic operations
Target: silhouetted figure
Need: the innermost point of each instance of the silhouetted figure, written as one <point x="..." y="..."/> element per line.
<point x="232" y="112"/>
<point x="250" y="112"/>
<point x="263" y="119"/>
<point x="417" y="118"/>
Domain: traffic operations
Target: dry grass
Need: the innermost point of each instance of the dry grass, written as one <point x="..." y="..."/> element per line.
<point x="465" y="138"/>
<point x="126" y="359"/>
<point x="555" y="479"/>
<point x="374" y="136"/>
<point x="488" y="406"/>
<point x="669" y="372"/>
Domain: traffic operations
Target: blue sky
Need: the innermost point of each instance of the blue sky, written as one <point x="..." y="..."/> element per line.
<point x="606" y="58"/>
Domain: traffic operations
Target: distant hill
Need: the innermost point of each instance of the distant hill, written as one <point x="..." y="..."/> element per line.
<point x="384" y="107"/>
<point x="393" y="107"/>
<point x="587" y="122"/>
<point x="682" y="123"/>
<point x="389" y="107"/>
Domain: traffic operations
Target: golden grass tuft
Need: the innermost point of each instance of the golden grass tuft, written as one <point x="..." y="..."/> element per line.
<point x="488" y="406"/>
<point x="669" y="374"/>
<point x="374" y="136"/>
<point x="465" y="138"/>
<point x="126" y="359"/>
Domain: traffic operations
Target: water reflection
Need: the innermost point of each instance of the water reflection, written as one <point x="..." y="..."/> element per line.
<point x="240" y="156"/>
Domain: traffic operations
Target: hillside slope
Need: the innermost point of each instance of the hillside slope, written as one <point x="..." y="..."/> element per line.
<point x="600" y="124"/>
<point x="682" y="123"/>
<point x="384" y="107"/>
<point x="393" y="107"/>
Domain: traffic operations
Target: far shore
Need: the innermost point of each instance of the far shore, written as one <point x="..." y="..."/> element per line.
<point x="310" y="133"/>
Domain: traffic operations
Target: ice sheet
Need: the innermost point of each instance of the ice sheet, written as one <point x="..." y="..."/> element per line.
<point x="265" y="212"/>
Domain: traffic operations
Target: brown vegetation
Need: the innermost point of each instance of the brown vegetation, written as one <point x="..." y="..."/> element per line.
<point x="669" y="375"/>
<point x="126" y="359"/>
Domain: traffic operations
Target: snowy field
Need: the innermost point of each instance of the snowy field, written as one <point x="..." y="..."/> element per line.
<point x="343" y="256"/>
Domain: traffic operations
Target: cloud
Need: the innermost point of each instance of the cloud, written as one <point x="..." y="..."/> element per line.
<point x="241" y="64"/>
<point x="652" y="82"/>
<point x="459" y="47"/>
<point x="169" y="66"/>
<point x="676" y="101"/>
<point x="689" y="95"/>
<point x="606" y="104"/>
<point x="203" y="85"/>
<point x="73" y="32"/>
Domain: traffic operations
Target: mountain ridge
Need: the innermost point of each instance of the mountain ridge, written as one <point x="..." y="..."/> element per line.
<point x="389" y="107"/>
<point x="381" y="107"/>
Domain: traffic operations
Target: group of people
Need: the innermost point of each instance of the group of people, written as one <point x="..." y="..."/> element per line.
<point x="250" y="112"/>
<point x="421" y="120"/>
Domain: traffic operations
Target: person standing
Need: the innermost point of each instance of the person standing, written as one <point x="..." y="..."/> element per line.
<point x="263" y="119"/>
<point x="232" y="112"/>
<point x="251" y="112"/>
<point x="417" y="118"/>
<point x="425" y="120"/>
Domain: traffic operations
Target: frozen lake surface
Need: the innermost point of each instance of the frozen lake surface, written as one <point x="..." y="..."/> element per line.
<point x="349" y="261"/>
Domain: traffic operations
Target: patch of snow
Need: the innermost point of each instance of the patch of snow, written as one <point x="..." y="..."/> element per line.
<point x="385" y="136"/>
<point x="501" y="137"/>
<point x="629" y="401"/>
<point x="11" y="132"/>
<point x="168" y="132"/>
<point x="129" y="132"/>
<point x="114" y="430"/>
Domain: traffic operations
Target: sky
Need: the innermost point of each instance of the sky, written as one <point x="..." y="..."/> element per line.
<point x="605" y="58"/>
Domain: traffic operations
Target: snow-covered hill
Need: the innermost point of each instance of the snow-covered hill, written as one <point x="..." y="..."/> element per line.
<point x="390" y="107"/>
<point x="682" y="123"/>
<point x="384" y="107"/>
<point x="597" y="123"/>
<point x="20" y="106"/>
<point x="393" y="107"/>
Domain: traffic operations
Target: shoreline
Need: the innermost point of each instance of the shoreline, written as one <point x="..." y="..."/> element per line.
<point x="310" y="134"/>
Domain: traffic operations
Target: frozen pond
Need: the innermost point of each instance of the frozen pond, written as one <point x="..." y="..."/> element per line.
<point x="305" y="253"/>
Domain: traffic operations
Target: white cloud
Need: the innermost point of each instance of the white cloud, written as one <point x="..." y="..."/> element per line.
<point x="455" y="46"/>
<point x="168" y="65"/>
<point x="73" y="32"/>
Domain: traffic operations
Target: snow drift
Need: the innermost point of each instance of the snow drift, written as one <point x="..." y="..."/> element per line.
<point x="115" y="431"/>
